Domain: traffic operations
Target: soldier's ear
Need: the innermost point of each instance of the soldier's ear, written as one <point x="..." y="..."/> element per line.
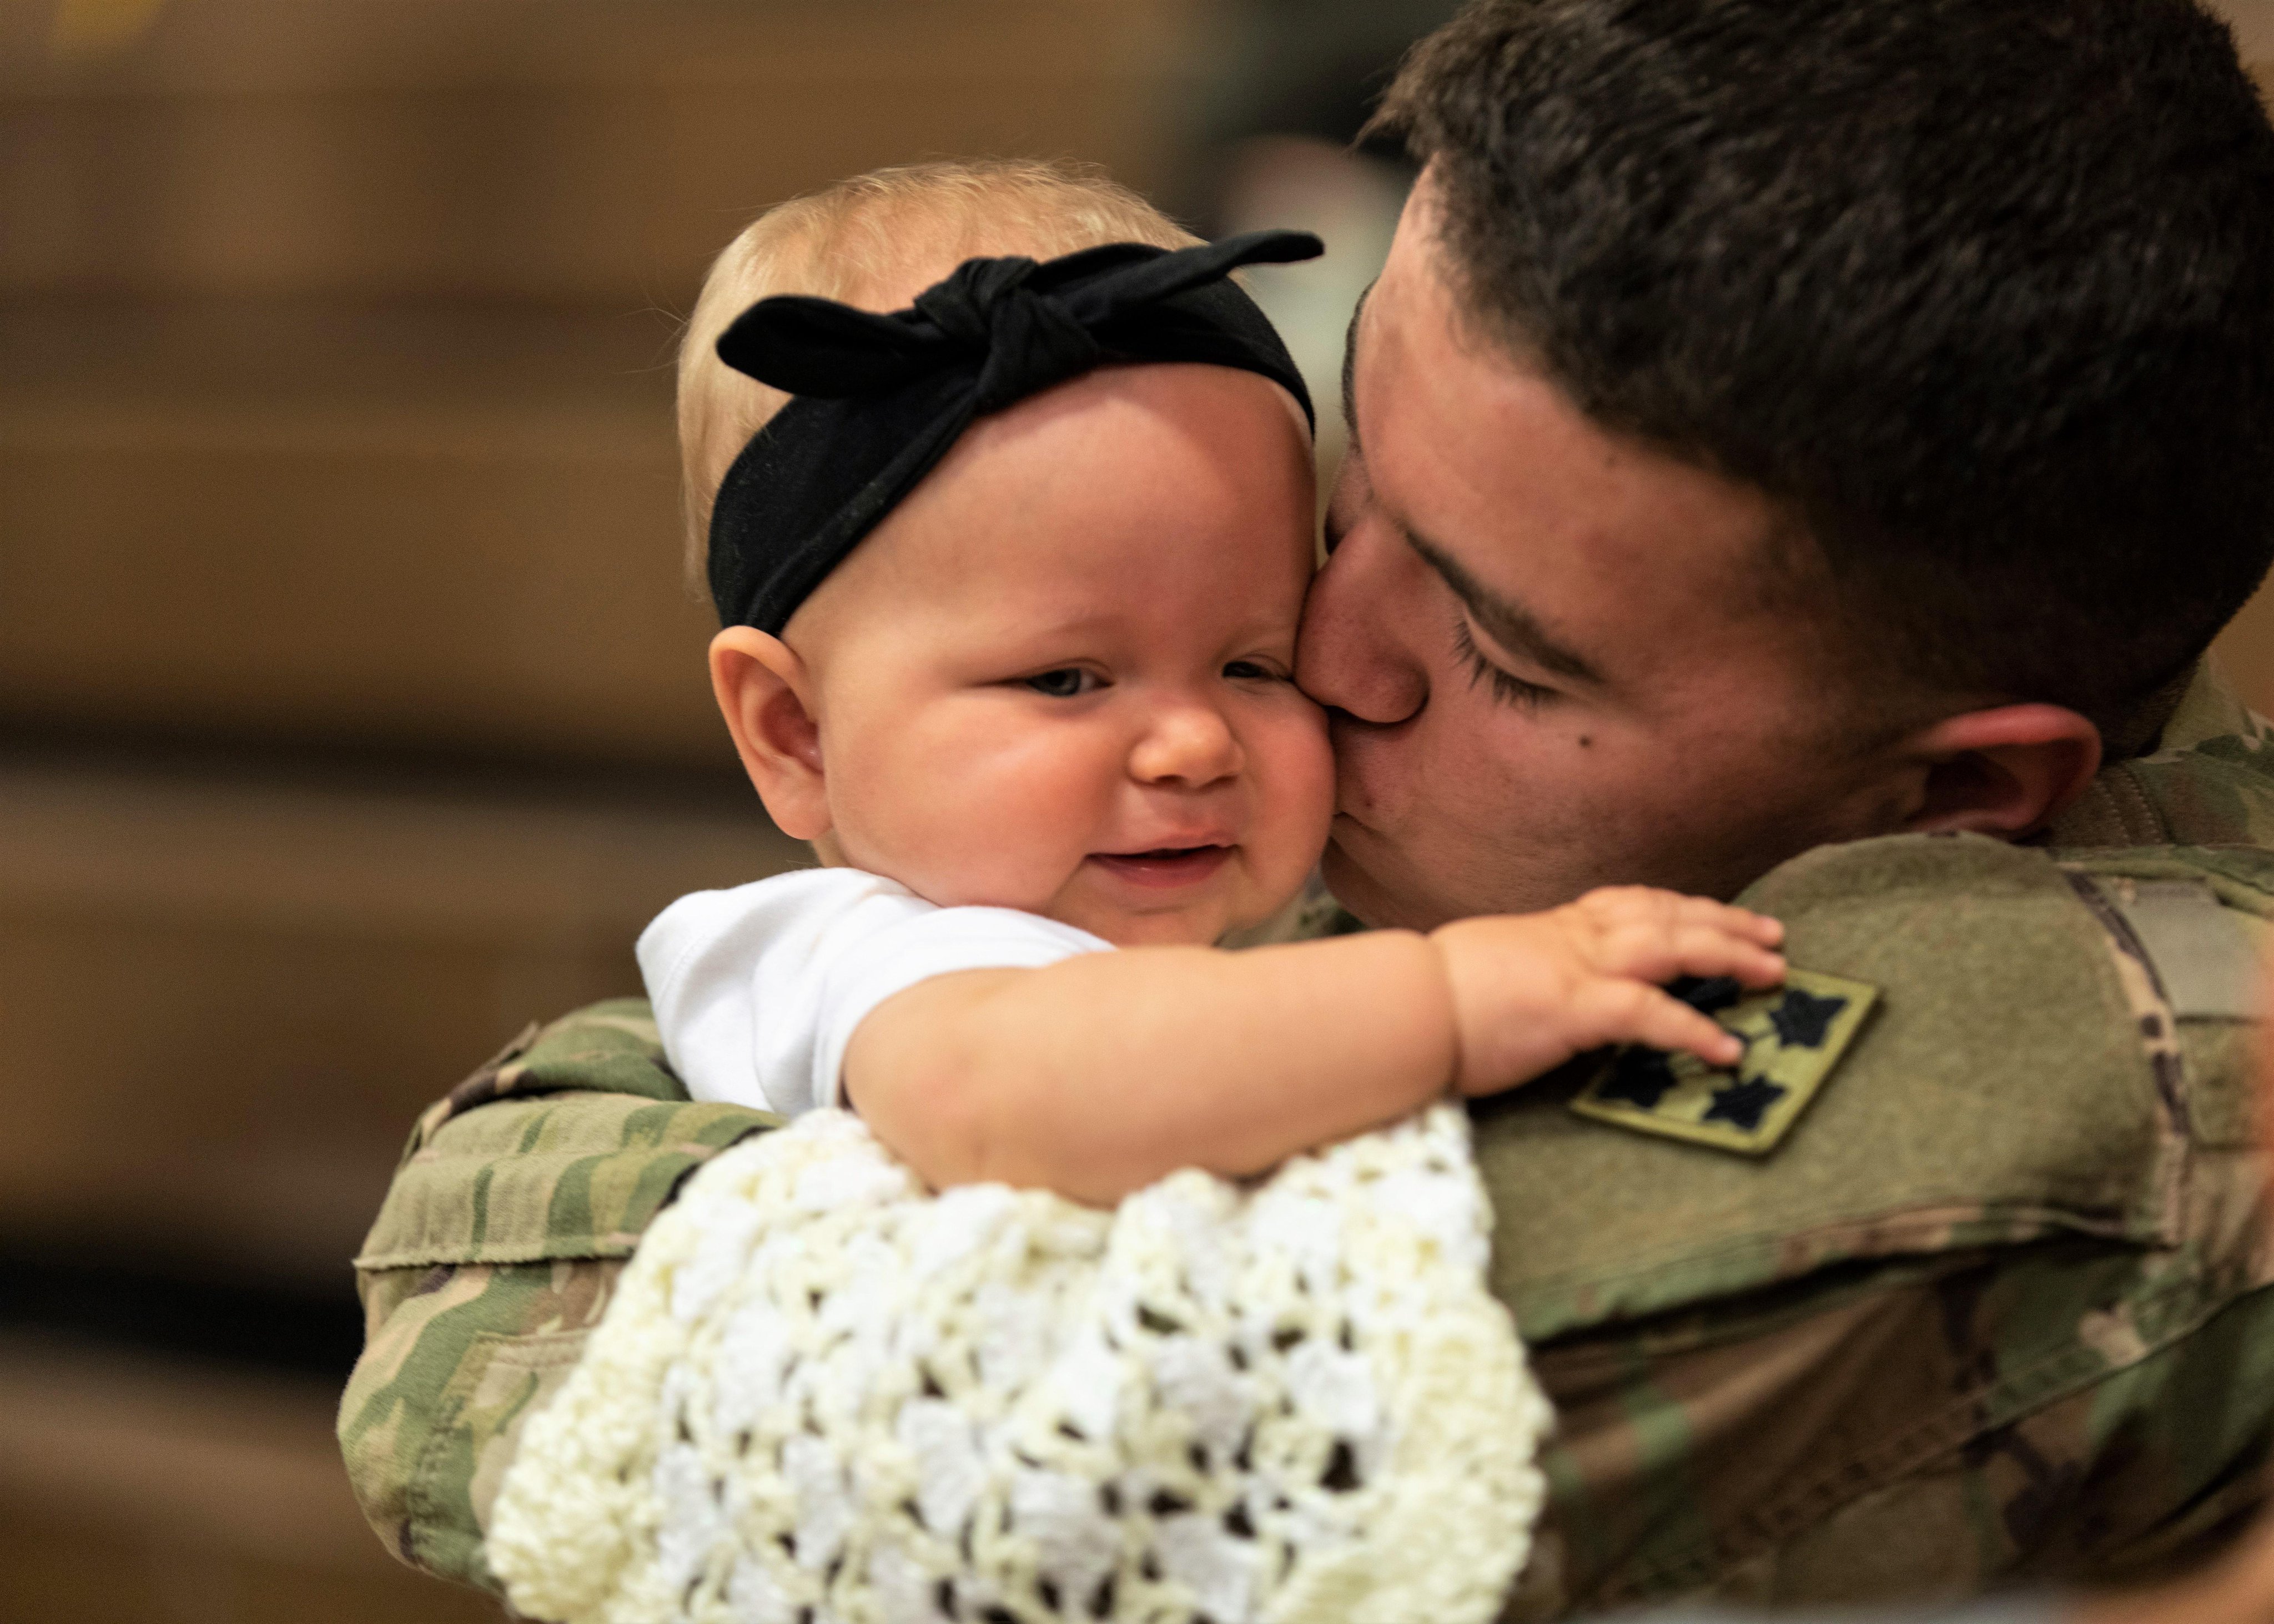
<point x="766" y="693"/>
<point x="2006" y="772"/>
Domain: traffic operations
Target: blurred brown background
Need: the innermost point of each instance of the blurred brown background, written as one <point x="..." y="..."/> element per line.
<point x="351" y="710"/>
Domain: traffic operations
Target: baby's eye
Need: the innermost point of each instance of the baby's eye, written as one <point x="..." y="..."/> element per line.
<point x="1071" y="682"/>
<point x="1251" y="671"/>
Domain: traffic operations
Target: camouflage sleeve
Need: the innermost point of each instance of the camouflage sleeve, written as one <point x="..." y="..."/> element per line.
<point x="494" y="1255"/>
<point x="1905" y="1432"/>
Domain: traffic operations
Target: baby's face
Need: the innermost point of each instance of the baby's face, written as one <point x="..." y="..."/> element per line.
<point x="1058" y="677"/>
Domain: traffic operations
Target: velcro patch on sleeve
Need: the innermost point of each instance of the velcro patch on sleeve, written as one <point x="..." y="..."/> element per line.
<point x="1795" y="1034"/>
<point x="2204" y="962"/>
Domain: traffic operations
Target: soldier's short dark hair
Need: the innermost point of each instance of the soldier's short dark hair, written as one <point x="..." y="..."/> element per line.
<point x="1982" y="291"/>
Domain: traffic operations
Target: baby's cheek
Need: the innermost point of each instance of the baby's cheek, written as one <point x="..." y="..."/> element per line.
<point x="1298" y="781"/>
<point x="924" y="824"/>
<point x="1007" y="832"/>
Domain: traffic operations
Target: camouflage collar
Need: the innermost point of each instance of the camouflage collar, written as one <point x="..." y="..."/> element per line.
<point x="2209" y="781"/>
<point x="2208" y="709"/>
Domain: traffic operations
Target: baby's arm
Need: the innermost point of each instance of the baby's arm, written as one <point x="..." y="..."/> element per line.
<point x="1098" y="1074"/>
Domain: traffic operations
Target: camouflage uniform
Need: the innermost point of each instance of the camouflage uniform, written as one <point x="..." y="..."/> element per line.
<point x="1994" y="1310"/>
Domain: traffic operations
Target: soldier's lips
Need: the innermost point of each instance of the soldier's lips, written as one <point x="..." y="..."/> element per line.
<point x="1164" y="868"/>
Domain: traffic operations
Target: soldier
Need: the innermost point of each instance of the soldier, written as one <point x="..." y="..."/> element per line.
<point x="1801" y="449"/>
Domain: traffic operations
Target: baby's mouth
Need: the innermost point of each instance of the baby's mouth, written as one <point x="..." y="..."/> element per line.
<point x="1164" y="867"/>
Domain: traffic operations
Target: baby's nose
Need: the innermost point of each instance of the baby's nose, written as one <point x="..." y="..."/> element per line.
<point x="1189" y="744"/>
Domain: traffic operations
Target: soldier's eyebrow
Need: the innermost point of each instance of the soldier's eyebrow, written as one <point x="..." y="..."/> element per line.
<point x="1511" y="625"/>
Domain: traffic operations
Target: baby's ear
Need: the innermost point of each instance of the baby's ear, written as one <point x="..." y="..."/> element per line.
<point x="766" y="694"/>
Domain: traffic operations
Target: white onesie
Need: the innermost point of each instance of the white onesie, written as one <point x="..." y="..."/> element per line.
<point x="757" y="990"/>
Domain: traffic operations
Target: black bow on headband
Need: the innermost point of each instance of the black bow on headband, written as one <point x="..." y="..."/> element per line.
<point x="880" y="399"/>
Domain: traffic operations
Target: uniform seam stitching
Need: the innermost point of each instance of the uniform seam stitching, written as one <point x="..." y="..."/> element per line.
<point x="583" y="1246"/>
<point x="421" y="1502"/>
<point x="1925" y="1213"/>
<point x="2176" y="1100"/>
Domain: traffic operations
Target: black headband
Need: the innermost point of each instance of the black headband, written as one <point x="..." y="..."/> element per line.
<point x="881" y="399"/>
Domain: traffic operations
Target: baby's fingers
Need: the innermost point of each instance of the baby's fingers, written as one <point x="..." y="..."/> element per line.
<point x="1644" y="932"/>
<point x="1611" y="906"/>
<point x="1758" y="928"/>
<point x="1707" y="949"/>
<point x="1658" y="953"/>
<point x="1633" y="1012"/>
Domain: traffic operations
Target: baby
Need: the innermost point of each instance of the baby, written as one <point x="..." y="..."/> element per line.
<point x="1011" y="589"/>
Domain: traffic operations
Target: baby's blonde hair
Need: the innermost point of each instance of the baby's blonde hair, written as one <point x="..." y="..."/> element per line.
<point x="876" y="241"/>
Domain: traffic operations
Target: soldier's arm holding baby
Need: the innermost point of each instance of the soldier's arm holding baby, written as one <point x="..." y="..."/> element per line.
<point x="1098" y="1074"/>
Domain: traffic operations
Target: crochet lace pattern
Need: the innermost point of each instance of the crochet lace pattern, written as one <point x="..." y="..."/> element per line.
<point x="823" y="1395"/>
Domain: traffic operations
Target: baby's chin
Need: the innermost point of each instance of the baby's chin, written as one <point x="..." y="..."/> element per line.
<point x="1184" y="928"/>
<point x="1196" y="921"/>
<point x="1201" y="923"/>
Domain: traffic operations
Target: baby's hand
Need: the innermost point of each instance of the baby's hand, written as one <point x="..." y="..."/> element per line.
<point x="1532" y="990"/>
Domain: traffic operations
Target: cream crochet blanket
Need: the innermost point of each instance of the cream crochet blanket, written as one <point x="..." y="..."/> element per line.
<point x="822" y="1395"/>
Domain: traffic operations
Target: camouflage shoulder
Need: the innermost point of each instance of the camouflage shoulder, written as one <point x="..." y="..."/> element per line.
<point x="1982" y="1064"/>
<point x="611" y="1047"/>
<point x="1988" y="1279"/>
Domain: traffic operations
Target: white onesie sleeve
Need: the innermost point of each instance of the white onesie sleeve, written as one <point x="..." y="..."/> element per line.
<point x="757" y="990"/>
